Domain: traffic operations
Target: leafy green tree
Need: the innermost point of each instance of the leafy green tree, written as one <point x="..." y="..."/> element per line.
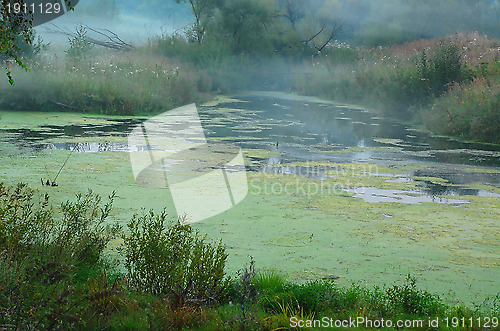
<point x="15" y="28"/>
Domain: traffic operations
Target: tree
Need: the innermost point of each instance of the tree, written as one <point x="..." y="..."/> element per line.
<point x="12" y="28"/>
<point x="203" y="11"/>
<point x="246" y="24"/>
<point x="16" y="25"/>
<point x="327" y="30"/>
<point x="292" y="10"/>
<point x="320" y="25"/>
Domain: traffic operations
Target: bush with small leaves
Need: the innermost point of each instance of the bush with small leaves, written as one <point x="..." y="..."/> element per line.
<point x="44" y="255"/>
<point x="79" y="45"/>
<point x="173" y="260"/>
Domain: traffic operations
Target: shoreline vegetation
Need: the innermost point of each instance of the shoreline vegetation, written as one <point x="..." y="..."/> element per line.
<point x="54" y="270"/>
<point x="55" y="274"/>
<point x="449" y="86"/>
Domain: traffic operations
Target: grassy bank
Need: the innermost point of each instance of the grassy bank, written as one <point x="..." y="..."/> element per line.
<point x="55" y="275"/>
<point x="113" y="83"/>
<point x="449" y="85"/>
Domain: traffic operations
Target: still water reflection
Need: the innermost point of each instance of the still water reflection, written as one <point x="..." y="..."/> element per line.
<point x="303" y="130"/>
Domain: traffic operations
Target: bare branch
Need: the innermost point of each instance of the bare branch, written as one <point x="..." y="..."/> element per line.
<point x="113" y="42"/>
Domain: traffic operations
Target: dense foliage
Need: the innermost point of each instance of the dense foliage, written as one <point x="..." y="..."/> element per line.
<point x="45" y="260"/>
<point x="55" y="274"/>
<point x="15" y="33"/>
<point x="173" y="261"/>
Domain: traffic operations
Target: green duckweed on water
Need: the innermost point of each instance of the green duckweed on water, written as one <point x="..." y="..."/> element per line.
<point x="307" y="228"/>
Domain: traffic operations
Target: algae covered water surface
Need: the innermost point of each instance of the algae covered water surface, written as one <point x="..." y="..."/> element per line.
<point x="334" y="191"/>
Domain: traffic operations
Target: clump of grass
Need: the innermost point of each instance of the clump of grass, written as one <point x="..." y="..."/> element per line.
<point x="317" y="299"/>
<point x="470" y="111"/>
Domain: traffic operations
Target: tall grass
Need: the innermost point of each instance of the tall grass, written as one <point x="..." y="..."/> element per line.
<point x="450" y="85"/>
<point x="423" y="80"/>
<point x="136" y="82"/>
<point x="470" y="111"/>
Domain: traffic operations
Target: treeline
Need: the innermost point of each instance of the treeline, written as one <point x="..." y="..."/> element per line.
<point x="303" y="27"/>
<point x="449" y="84"/>
<point x="367" y="22"/>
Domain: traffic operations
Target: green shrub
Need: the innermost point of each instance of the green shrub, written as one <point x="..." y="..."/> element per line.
<point x="45" y="255"/>
<point x="444" y="68"/>
<point x="79" y="46"/>
<point x="28" y="225"/>
<point x="470" y="111"/>
<point x="413" y="87"/>
<point x="408" y="299"/>
<point x="173" y="261"/>
<point x="23" y="221"/>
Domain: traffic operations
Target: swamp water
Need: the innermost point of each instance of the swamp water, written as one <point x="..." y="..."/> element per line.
<point x="334" y="190"/>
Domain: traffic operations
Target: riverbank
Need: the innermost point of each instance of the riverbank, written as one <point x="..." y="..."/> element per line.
<point x="111" y="83"/>
<point x="49" y="278"/>
<point x="450" y="86"/>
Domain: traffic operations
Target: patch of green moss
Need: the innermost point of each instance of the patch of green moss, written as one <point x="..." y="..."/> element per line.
<point x="302" y="226"/>
<point x="259" y="153"/>
<point x="220" y="99"/>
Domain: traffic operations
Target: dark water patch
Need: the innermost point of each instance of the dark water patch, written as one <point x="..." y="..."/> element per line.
<point x="436" y="189"/>
<point x="460" y="177"/>
<point x="39" y="138"/>
<point x="326" y="125"/>
<point x="456" y="181"/>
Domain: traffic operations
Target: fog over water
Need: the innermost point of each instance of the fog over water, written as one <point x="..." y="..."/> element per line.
<point x="364" y="133"/>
